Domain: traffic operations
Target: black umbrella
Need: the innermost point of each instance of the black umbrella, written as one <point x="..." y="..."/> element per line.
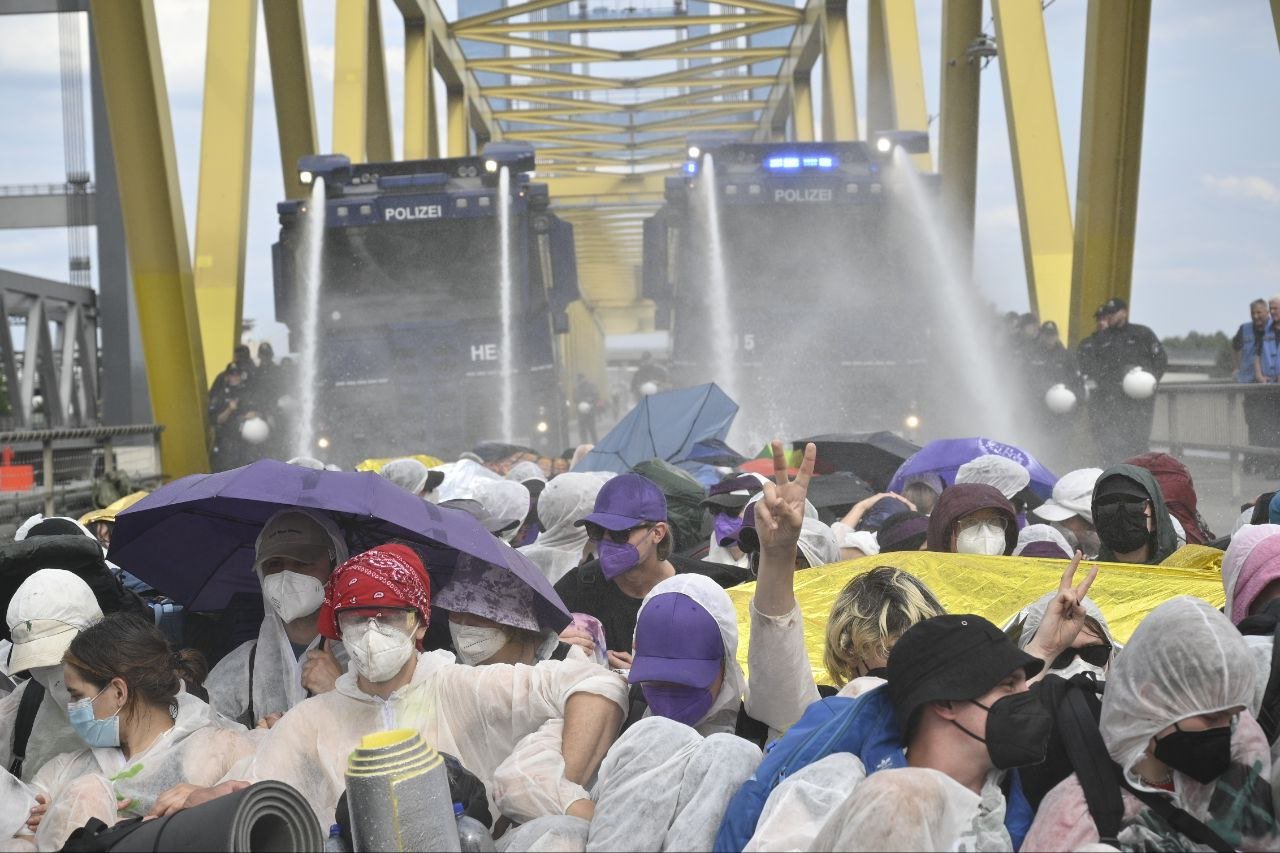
<point x="873" y="456"/>
<point x="838" y="492"/>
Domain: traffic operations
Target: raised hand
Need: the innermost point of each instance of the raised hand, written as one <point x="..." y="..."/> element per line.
<point x="780" y="511"/>
<point x="1064" y="617"/>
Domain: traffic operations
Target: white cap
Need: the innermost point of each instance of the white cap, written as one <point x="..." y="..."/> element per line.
<point x="1072" y="495"/>
<point x="45" y="614"/>
<point x="998" y="471"/>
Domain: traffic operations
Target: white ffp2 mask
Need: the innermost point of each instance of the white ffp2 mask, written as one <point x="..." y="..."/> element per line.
<point x="293" y="595"/>
<point x="983" y="538"/>
<point x="378" y="650"/>
<point x="475" y="644"/>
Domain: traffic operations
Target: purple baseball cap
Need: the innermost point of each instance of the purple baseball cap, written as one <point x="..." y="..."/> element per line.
<point x="627" y="501"/>
<point x="677" y="641"/>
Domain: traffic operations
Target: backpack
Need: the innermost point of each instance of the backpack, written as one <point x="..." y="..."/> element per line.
<point x="1267" y="623"/>
<point x="1102" y="780"/>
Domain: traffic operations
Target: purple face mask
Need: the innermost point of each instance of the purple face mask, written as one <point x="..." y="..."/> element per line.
<point x="616" y="558"/>
<point x="686" y="705"/>
<point x="727" y="528"/>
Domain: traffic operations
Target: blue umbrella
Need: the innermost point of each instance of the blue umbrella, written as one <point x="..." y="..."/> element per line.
<point x="666" y="426"/>
<point x="713" y="451"/>
<point x="193" y="538"/>
<point x="944" y="456"/>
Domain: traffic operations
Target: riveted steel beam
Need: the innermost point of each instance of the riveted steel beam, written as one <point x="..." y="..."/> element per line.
<point x="1115" y="81"/>
<point x="222" y="207"/>
<point x="150" y="198"/>
<point x="1036" y="144"/>
<point x="291" y="86"/>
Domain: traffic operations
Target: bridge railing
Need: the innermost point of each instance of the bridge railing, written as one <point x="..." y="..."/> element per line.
<point x="1210" y="416"/>
<point x="67" y="462"/>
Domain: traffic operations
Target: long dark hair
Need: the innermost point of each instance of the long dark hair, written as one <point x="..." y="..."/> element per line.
<point x="130" y="648"/>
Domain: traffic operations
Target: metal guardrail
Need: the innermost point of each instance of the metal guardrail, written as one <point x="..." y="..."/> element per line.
<point x="1210" y="416"/>
<point x="70" y="457"/>
<point x="12" y="190"/>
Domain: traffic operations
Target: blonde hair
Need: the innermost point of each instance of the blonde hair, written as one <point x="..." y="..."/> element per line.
<point x="870" y="614"/>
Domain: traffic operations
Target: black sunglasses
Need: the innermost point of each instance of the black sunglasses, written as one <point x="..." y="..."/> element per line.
<point x="595" y="533"/>
<point x="1095" y="654"/>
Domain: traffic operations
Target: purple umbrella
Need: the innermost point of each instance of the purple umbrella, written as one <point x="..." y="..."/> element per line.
<point x="193" y="538"/>
<point x="944" y="456"/>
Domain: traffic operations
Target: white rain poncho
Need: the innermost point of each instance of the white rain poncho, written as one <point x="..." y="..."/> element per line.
<point x="817" y="543"/>
<point x="717" y="553"/>
<point x="1242" y="545"/>
<point x="200" y="749"/>
<point x="506" y="502"/>
<point x="707" y="594"/>
<point x="478" y="714"/>
<point x="1184" y="659"/>
<point x="663" y="786"/>
<point x="916" y="808"/>
<point x="524" y="471"/>
<point x="277" y="673"/>
<point x="799" y="807"/>
<point x="1042" y="533"/>
<point x="998" y="471"/>
<point x="864" y="540"/>
<point x="566" y="499"/>
<point x="409" y="474"/>
<point x="1033" y="614"/>
<point x="460" y="479"/>
<point x="51" y="733"/>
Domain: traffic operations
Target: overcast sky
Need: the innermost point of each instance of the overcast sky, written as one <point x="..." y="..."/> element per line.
<point x="1208" y="236"/>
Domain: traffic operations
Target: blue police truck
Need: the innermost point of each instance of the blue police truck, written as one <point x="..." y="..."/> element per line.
<point x="410" y="296"/>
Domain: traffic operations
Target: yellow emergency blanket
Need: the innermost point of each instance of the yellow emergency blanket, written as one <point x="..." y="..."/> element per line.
<point x="111" y="510"/>
<point x="997" y="588"/>
<point x="375" y="465"/>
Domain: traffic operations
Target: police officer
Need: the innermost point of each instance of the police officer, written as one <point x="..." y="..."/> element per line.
<point x="1121" y="425"/>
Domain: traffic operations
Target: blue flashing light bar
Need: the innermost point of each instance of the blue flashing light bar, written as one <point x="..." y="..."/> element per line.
<point x="691" y="168"/>
<point x="792" y="162"/>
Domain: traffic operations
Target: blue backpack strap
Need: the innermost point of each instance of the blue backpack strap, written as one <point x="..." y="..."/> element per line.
<point x="1018" y="813"/>
<point x="865" y="727"/>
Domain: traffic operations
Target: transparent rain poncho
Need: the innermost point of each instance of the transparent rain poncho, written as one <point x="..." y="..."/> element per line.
<point x="818" y="543"/>
<point x="507" y="503"/>
<point x="277" y="674"/>
<point x="461" y="477"/>
<point x="1260" y="645"/>
<point x="51" y="734"/>
<point x="798" y="808"/>
<point x="200" y="749"/>
<point x="916" y="808"/>
<point x="707" y="594"/>
<point x="566" y="499"/>
<point x="409" y="474"/>
<point x="1184" y="659"/>
<point x="663" y="786"/>
<point x="480" y="714"/>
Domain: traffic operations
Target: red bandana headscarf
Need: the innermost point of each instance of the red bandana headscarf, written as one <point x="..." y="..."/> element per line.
<point x="390" y="576"/>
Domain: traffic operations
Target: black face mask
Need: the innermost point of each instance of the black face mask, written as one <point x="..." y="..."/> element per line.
<point x="1018" y="730"/>
<point x="1122" y="525"/>
<point x="1204" y="756"/>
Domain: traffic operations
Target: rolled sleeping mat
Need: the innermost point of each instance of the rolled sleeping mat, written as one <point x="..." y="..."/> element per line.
<point x="267" y="816"/>
<point x="398" y="795"/>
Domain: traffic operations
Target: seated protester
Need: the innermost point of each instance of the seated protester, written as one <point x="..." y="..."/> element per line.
<point x="1251" y="578"/>
<point x="633" y="542"/>
<point x="923" y="490"/>
<point x="856" y="532"/>
<point x="506" y="503"/>
<point x="1130" y="516"/>
<point x="725" y="501"/>
<point x="1072" y="507"/>
<point x="685" y="665"/>
<point x="1092" y="651"/>
<point x="782" y="683"/>
<point x="905" y="531"/>
<point x="494" y="617"/>
<point x="412" y="476"/>
<point x="932" y="719"/>
<point x="45" y="614"/>
<point x="294" y="555"/>
<point x="972" y="518"/>
<point x="1041" y="540"/>
<point x="1179" y="493"/>
<point x="566" y="499"/>
<point x="1175" y="721"/>
<point x="529" y="475"/>
<point x="141" y="732"/>
<point x="379" y="604"/>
